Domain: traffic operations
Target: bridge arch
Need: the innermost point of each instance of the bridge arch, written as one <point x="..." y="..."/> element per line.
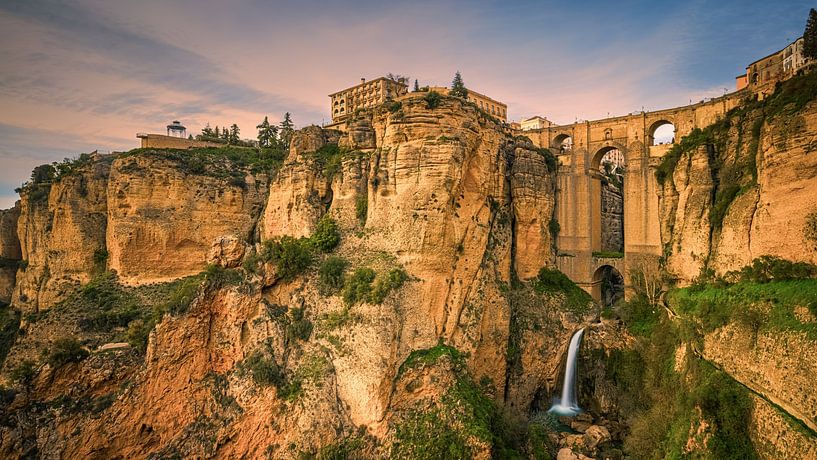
<point x="607" y="200"/>
<point x="661" y="132"/>
<point x="562" y="143"/>
<point x="608" y="285"/>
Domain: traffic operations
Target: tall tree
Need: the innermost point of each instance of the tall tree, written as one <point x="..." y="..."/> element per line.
<point x="458" y="87"/>
<point x="267" y="134"/>
<point x="234" y="134"/>
<point x="404" y="79"/>
<point x="217" y="134"/>
<point x="287" y="128"/>
<point x="416" y="85"/>
<point x="207" y="131"/>
<point x="810" y="36"/>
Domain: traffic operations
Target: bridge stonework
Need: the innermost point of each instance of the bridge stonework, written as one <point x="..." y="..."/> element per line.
<point x="578" y="196"/>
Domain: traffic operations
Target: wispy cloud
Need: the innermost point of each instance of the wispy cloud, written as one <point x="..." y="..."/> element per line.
<point x="84" y="74"/>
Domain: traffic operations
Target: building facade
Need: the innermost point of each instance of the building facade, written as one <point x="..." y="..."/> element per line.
<point x="762" y="75"/>
<point x="536" y="122"/>
<point x="365" y="95"/>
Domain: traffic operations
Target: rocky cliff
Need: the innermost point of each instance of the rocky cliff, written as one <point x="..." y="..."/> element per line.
<point x="375" y="291"/>
<point x="743" y="187"/>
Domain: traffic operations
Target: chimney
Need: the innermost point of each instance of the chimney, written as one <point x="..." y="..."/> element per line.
<point x="362" y="81"/>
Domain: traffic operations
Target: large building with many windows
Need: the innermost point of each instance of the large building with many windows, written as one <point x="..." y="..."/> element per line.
<point x="366" y="94"/>
<point x="375" y="92"/>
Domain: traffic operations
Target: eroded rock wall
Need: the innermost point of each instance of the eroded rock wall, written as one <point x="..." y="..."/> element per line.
<point x="162" y="220"/>
<point x="771" y="205"/>
<point x="10" y="254"/>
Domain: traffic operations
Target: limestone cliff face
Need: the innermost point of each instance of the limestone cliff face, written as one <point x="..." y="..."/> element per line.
<point x="9" y="251"/>
<point x="162" y="220"/>
<point x="62" y="235"/>
<point x="765" y="173"/>
<point x="443" y="193"/>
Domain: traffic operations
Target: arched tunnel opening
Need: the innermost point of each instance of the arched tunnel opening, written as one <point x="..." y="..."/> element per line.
<point x="608" y="286"/>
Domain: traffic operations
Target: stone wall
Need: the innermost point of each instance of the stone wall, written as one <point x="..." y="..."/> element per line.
<point x="9" y="251"/>
<point x="612" y="219"/>
<point x="160" y="141"/>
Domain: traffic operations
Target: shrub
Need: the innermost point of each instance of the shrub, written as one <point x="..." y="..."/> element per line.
<point x="358" y="286"/>
<point x="330" y="274"/>
<point x="362" y="209"/>
<point x="386" y="283"/>
<point x="770" y="268"/>
<point x="290" y="256"/>
<point x="66" y="350"/>
<point x="299" y="327"/>
<point x="24" y="372"/>
<point x="432" y="99"/>
<point x="100" y="257"/>
<point x="394" y="106"/>
<point x="329" y="158"/>
<point x="554" y="228"/>
<point x="326" y="236"/>
<point x="264" y="370"/>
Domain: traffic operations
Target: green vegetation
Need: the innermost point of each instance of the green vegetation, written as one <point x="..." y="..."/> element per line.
<point x="265" y="371"/>
<point x="552" y="281"/>
<point x="358" y="287"/>
<point x="458" y="87"/>
<point x="329" y="159"/>
<point x="770" y="268"/>
<point x="394" y="106"/>
<point x="291" y="256"/>
<point x="432" y="99"/>
<point x="734" y="169"/>
<point x="9" y="325"/>
<point x="24" y="372"/>
<point x="299" y="328"/>
<point x="666" y="399"/>
<point x="331" y="275"/>
<point x="229" y="163"/>
<point x="66" y="350"/>
<point x="429" y="356"/>
<point x="362" y="209"/>
<point x="810" y="35"/>
<point x="463" y="417"/>
<point x="326" y="236"/>
<point x="554" y="228"/>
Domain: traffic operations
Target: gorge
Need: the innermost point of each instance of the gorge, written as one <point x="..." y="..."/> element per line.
<point x="393" y="289"/>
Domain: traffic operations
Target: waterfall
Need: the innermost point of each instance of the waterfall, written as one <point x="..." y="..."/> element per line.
<point x="567" y="405"/>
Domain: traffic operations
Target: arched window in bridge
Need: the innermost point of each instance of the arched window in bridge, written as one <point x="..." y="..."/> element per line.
<point x="662" y="132"/>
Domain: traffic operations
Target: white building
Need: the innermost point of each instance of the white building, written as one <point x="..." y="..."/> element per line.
<point x="536" y="122"/>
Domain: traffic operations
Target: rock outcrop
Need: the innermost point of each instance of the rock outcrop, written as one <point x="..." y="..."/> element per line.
<point x="756" y="179"/>
<point x="243" y="360"/>
<point x="9" y="251"/>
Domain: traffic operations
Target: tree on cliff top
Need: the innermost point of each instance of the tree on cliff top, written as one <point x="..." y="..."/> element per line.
<point x="287" y="128"/>
<point x="810" y="36"/>
<point x="416" y="85"/>
<point x="267" y="134"/>
<point x="207" y="131"/>
<point x="234" y="132"/>
<point x="458" y="87"/>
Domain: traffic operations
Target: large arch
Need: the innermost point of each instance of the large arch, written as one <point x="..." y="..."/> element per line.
<point x="607" y="200"/>
<point x="608" y="285"/>
<point x="661" y="132"/>
<point x="562" y="143"/>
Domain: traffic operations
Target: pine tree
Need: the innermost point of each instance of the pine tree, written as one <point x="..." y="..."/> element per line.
<point x="810" y="36"/>
<point x="458" y="87"/>
<point x="217" y="134"/>
<point x="225" y="134"/>
<point x="416" y="85"/>
<point x="267" y="134"/>
<point x="207" y="131"/>
<point x="234" y="132"/>
<point x="287" y="128"/>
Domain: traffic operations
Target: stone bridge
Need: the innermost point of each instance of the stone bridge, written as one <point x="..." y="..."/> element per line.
<point x="580" y="148"/>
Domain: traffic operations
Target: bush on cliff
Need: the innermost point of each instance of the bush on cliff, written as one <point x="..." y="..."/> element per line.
<point x="432" y="99"/>
<point x="326" y="236"/>
<point x="66" y="350"/>
<point x="330" y="274"/>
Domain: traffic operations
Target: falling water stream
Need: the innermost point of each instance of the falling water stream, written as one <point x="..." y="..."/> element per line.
<point x="567" y="404"/>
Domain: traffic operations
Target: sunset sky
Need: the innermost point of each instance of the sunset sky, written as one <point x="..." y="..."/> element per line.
<point x="82" y="75"/>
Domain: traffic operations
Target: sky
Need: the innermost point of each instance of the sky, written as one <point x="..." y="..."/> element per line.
<point x="84" y="75"/>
